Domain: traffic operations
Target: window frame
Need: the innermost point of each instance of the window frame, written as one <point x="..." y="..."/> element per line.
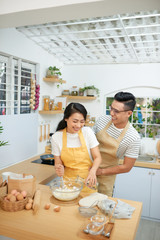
<point x="16" y="71"/>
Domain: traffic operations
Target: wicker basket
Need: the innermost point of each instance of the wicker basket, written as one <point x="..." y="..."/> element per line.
<point x="13" y="206"/>
<point x="3" y="191"/>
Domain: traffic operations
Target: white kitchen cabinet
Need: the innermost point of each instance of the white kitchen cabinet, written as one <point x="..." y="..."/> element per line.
<point x="140" y="184"/>
<point x="155" y="194"/>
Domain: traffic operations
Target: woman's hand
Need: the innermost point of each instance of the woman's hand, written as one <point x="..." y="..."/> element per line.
<point x="59" y="170"/>
<point x="91" y="180"/>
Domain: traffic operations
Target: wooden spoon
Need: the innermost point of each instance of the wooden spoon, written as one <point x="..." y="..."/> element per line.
<point x="40" y="139"/>
<point x="48" y="131"/>
<point x="45" y="132"/>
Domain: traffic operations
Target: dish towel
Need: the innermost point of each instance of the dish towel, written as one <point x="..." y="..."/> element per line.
<point x="122" y="210"/>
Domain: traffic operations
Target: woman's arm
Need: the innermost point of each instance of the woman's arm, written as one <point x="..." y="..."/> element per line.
<point x="96" y="162"/>
<point x="59" y="167"/>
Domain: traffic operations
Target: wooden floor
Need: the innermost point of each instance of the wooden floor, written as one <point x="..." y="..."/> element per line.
<point x="147" y="230"/>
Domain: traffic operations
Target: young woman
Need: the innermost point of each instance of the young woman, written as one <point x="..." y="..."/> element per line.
<point x="75" y="147"/>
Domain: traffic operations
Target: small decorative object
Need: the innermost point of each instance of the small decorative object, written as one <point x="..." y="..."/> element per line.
<point x="91" y="90"/>
<point x="37" y="96"/>
<point x="53" y="71"/>
<point x="32" y="99"/>
<point x="74" y="91"/>
<point x="81" y="92"/>
<point x="66" y="92"/>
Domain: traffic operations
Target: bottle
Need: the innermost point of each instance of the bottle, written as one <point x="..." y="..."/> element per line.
<point x="51" y="104"/>
<point x="46" y="103"/>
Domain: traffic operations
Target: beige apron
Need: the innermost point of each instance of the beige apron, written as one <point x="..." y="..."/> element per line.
<point x="108" y="148"/>
<point x="76" y="160"/>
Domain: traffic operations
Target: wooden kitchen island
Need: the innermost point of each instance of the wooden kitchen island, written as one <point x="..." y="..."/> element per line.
<point x="67" y="224"/>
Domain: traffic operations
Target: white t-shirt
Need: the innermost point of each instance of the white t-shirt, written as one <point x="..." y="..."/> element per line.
<point x="130" y="144"/>
<point x="73" y="141"/>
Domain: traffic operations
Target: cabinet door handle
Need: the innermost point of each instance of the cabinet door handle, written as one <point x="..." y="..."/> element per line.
<point x="149" y="173"/>
<point x="153" y="173"/>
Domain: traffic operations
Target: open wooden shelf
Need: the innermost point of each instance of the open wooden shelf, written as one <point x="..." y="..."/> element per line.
<point x="78" y="97"/>
<point x="54" y="80"/>
<point x="51" y="112"/>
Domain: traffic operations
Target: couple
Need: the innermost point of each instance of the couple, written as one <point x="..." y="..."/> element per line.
<point x="78" y="151"/>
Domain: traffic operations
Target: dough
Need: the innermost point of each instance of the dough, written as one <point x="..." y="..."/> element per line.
<point x="92" y="199"/>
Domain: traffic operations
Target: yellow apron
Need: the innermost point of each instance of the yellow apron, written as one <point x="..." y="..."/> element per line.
<point x="76" y="160"/>
<point x="108" y="148"/>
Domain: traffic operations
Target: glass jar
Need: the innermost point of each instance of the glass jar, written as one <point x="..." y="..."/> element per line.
<point x="65" y="92"/>
<point x="46" y="103"/>
<point x="51" y="104"/>
<point x="74" y="91"/>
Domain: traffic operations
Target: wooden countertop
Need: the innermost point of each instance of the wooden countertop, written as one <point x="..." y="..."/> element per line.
<point x="145" y="164"/>
<point x="67" y="224"/>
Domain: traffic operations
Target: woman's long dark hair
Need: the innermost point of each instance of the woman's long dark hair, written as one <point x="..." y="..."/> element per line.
<point x="70" y="109"/>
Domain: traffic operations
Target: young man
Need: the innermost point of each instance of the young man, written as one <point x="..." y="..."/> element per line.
<point x="118" y="139"/>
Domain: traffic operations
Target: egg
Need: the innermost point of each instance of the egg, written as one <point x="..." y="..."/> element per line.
<point x="28" y="206"/>
<point x="47" y="206"/>
<point x="12" y="199"/>
<point x="57" y="208"/>
<point x="17" y="193"/>
<point x="24" y="193"/>
<point x="13" y="192"/>
<point x="9" y="196"/>
<point x="19" y="197"/>
<point x="30" y="200"/>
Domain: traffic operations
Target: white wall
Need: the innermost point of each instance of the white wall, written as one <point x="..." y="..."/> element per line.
<point x="22" y="131"/>
<point x="112" y="78"/>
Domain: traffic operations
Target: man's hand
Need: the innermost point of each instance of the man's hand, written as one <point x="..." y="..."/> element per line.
<point x="99" y="172"/>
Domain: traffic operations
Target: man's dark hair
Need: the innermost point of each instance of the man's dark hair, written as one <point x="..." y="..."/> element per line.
<point x="127" y="98"/>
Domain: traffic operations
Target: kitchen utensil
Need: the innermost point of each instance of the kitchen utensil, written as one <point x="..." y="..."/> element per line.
<point x="98" y="220"/>
<point x="66" y="190"/>
<point x="93" y="229"/>
<point x="108" y="229"/>
<point x="41" y="138"/>
<point x="47" y="157"/>
<point x="48" y="131"/>
<point x="88" y="211"/>
<point x="109" y="226"/>
<point x="44" y="137"/>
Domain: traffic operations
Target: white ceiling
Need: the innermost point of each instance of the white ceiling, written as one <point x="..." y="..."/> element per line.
<point x="89" y="31"/>
<point x="126" y="38"/>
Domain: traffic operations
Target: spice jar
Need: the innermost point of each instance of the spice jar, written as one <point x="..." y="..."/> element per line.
<point x="59" y="104"/>
<point x="65" y="92"/>
<point x="46" y="103"/>
<point x="74" y="91"/>
<point x="51" y="104"/>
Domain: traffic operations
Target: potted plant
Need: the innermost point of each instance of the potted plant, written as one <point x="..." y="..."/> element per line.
<point x="2" y="143"/>
<point x="91" y="90"/>
<point x="53" y="72"/>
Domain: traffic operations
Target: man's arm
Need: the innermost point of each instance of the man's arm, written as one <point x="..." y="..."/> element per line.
<point x="127" y="165"/>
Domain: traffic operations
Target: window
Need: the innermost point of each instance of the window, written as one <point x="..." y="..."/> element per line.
<point x="145" y="117"/>
<point x="15" y="84"/>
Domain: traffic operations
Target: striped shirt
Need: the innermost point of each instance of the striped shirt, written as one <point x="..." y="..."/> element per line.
<point x="130" y="144"/>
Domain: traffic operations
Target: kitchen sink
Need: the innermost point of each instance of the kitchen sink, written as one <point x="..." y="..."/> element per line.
<point x="146" y="158"/>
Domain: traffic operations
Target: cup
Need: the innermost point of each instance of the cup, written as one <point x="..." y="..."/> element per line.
<point x="5" y="175"/>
